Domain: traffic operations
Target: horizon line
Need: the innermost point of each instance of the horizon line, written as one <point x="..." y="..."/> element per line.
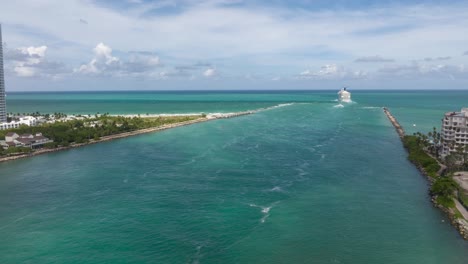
<point x="232" y="90"/>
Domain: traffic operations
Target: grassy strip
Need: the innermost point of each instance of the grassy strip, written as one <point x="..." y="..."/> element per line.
<point x="463" y="197"/>
<point x="418" y="156"/>
<point x="443" y="188"/>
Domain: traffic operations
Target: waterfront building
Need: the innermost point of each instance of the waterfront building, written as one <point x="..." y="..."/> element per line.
<point x="25" y="140"/>
<point x="454" y="133"/>
<point x="23" y="120"/>
<point x="3" y="112"/>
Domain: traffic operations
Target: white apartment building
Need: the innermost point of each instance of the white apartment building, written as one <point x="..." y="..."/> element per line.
<point x="454" y="131"/>
<point x="24" y="120"/>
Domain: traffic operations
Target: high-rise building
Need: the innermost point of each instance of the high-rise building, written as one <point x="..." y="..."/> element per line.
<point x="455" y="132"/>
<point x="3" y="112"/>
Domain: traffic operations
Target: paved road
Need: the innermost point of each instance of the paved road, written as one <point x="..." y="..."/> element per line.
<point x="462" y="179"/>
<point x="461" y="209"/>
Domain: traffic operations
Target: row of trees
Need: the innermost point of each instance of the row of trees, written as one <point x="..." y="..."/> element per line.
<point x="444" y="188"/>
<point x="417" y="154"/>
<point x="432" y="142"/>
<point x="14" y="150"/>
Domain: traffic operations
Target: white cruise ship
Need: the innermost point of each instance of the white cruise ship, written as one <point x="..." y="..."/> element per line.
<point x="344" y="96"/>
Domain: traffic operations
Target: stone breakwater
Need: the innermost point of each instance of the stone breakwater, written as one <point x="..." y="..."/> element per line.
<point x="399" y="129"/>
<point x="461" y="224"/>
<point x="128" y="134"/>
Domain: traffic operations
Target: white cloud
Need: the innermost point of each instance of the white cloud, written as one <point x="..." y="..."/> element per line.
<point x="234" y="37"/>
<point x="371" y="59"/>
<point x="209" y="72"/>
<point x="102" y="61"/>
<point x="438" y="58"/>
<point x="104" y="53"/>
<point x="32" y="62"/>
<point x="177" y="73"/>
<point x="105" y="63"/>
<point x="35" y="51"/>
<point x="424" y="70"/>
<point x="229" y="29"/>
<point x="33" y="56"/>
<point x="332" y="72"/>
<point x="25" y="71"/>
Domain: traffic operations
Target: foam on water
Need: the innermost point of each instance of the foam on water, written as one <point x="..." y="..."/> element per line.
<point x="265" y="210"/>
<point x="370" y="107"/>
<point x="276" y="189"/>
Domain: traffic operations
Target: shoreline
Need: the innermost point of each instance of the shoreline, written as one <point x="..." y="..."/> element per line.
<point x="461" y="225"/>
<point x="209" y="117"/>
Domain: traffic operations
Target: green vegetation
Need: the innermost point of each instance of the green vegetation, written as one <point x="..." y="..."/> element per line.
<point x="463" y="197"/>
<point x="82" y="131"/>
<point x="430" y="142"/>
<point x="14" y="150"/>
<point x="444" y="188"/>
<point x="457" y="213"/>
<point x="458" y="160"/>
<point x="418" y="156"/>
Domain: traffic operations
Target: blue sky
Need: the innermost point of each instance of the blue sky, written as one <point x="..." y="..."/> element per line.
<point x="234" y="44"/>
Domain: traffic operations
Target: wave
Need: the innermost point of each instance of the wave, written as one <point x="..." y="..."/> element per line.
<point x="265" y="210"/>
<point x="197" y="256"/>
<point x="276" y="189"/>
<point x="338" y="106"/>
<point x="273" y="107"/>
<point x="370" y="107"/>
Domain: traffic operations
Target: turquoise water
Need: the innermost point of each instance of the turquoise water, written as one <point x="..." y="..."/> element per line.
<point x="305" y="183"/>
<point x="154" y="102"/>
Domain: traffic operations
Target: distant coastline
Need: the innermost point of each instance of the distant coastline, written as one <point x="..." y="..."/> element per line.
<point x="206" y="118"/>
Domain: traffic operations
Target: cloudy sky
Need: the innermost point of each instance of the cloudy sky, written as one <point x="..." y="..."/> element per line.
<point x="234" y="44"/>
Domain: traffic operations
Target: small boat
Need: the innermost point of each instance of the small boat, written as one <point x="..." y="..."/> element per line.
<point x="344" y="96"/>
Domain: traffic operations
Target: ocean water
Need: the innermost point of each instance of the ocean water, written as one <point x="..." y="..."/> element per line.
<point x="309" y="182"/>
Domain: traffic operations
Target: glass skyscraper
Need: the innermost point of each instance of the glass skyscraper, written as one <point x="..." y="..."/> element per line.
<point x="3" y="112"/>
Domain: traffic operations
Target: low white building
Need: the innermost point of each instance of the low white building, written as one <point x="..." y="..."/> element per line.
<point x="454" y="131"/>
<point x="24" y="120"/>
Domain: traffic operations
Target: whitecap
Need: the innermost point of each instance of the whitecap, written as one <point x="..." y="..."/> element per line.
<point x="264" y="218"/>
<point x="338" y="106"/>
<point x="276" y="189"/>
<point x="370" y="107"/>
<point x="265" y="210"/>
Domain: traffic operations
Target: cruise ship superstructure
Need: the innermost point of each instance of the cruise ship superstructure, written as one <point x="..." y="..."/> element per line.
<point x="344" y="96"/>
